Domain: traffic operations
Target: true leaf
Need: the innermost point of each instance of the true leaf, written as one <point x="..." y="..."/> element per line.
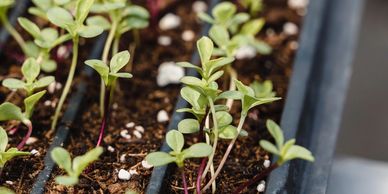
<point x="119" y="60"/>
<point x="224" y="11"/>
<point x="60" y="17"/>
<point x="205" y="17"/>
<point x="253" y="27"/>
<point x="223" y="118"/>
<point x="30" y="70"/>
<point x="30" y="102"/>
<point x="62" y="158"/>
<point x="298" y="152"/>
<point x="220" y="35"/>
<point x="205" y="48"/>
<point x="44" y="81"/>
<point x="268" y="146"/>
<point x="228" y="132"/>
<point x="81" y="162"/>
<point x="98" y="21"/>
<point x="90" y="31"/>
<point x="82" y="10"/>
<point x="276" y="132"/>
<point x="187" y="126"/>
<point x="13" y="83"/>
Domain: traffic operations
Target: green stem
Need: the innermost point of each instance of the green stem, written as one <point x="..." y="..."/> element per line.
<point x="69" y="81"/>
<point x="229" y="149"/>
<point x="105" y="55"/>
<point x="15" y="34"/>
<point x="232" y="86"/>
<point x="215" y="132"/>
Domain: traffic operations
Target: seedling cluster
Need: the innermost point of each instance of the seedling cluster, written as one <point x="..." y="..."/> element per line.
<point x="67" y="22"/>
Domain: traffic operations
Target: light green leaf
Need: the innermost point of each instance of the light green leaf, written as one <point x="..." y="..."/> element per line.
<point x="252" y="27"/>
<point x="13" y="83"/>
<point x="258" y="101"/>
<point x="82" y="10"/>
<point x="30" y="70"/>
<point x="90" y="31"/>
<point x="49" y="35"/>
<point x="9" y="111"/>
<point x="48" y="66"/>
<point x="205" y="17"/>
<point x="6" y="3"/>
<point x="62" y="158"/>
<point x="276" y="132"/>
<point x="287" y="146"/>
<point x="30" y="102"/>
<point x="81" y="162"/>
<point x="189" y="65"/>
<point x="122" y="75"/>
<point x="269" y="147"/>
<point x="30" y="27"/>
<point x="215" y="76"/>
<point x="223" y="118"/>
<point x="66" y="180"/>
<point x="220" y="35"/>
<point x="43" y="82"/>
<point x="192" y="81"/>
<point x="223" y="12"/>
<point x="136" y="11"/>
<point x="61" y="2"/>
<point x="235" y="95"/>
<point x="205" y="48"/>
<point x="9" y="154"/>
<point x="261" y="47"/>
<point x="3" y="140"/>
<point x="175" y="140"/>
<point x="98" y="21"/>
<point x="60" y="17"/>
<point x="187" y="126"/>
<point x="100" y="67"/>
<point x="298" y="152"/>
<point x="215" y="64"/>
<point x="198" y="150"/>
<point x="229" y="132"/>
<point x="159" y="158"/>
<point x="244" y="89"/>
<point x="119" y="60"/>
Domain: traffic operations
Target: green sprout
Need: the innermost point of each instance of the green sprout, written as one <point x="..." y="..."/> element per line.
<point x="73" y="168"/>
<point x="42" y="6"/>
<point x="7" y="154"/>
<point x="76" y="28"/>
<point x="109" y="75"/>
<point x="286" y="151"/>
<point x="123" y="17"/>
<point x="29" y="83"/>
<point x="44" y="41"/>
<point x="5" y="5"/>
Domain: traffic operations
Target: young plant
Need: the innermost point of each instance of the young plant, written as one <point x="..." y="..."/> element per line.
<point x="76" y="28"/>
<point x="178" y="155"/>
<point x="286" y="151"/>
<point x="44" y="41"/>
<point x="109" y="75"/>
<point x="123" y="17"/>
<point x="5" y="5"/>
<point x="7" y="154"/>
<point x="73" y="168"/>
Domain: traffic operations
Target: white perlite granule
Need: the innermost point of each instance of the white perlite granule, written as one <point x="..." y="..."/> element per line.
<point x="162" y="116"/>
<point x="169" y="73"/>
<point x="169" y="22"/>
<point x="124" y="175"/>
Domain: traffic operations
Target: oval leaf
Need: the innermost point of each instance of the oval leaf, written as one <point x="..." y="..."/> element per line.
<point x="119" y="60"/>
<point x="175" y="140"/>
<point x="198" y="150"/>
<point x="159" y="158"/>
<point x="62" y="158"/>
<point x="187" y="126"/>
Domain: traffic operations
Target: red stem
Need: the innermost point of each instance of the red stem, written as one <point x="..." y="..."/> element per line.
<point x="199" y="177"/>
<point x="13" y="130"/>
<point x="28" y="135"/>
<point x="153" y="6"/>
<point x="184" y="182"/>
<point x="256" y="178"/>
<point x="105" y="116"/>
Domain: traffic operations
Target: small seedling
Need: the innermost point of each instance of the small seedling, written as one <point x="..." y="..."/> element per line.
<point x="44" y="41"/>
<point x="7" y="154"/>
<point x="73" y="168"/>
<point x="76" y="28"/>
<point x="286" y="151"/>
<point x="29" y="83"/>
<point x="109" y="75"/>
<point x="5" y="5"/>
<point x="263" y="90"/>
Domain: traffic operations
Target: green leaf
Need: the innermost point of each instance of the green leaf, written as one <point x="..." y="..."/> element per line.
<point x="220" y="35"/>
<point x="261" y="47"/>
<point x="215" y="76"/>
<point x="244" y="89"/>
<point x="30" y="70"/>
<point x="30" y="27"/>
<point x="62" y="158"/>
<point x="30" y="102"/>
<point x="223" y="118"/>
<point x="9" y="111"/>
<point x="205" y="48"/>
<point x="189" y="65"/>
<point x="198" y="150"/>
<point x="269" y="147"/>
<point x="287" y="146"/>
<point x="9" y="154"/>
<point x="48" y="66"/>
<point x="192" y="81"/>
<point x="60" y="17"/>
<point x="263" y="90"/>
<point x="238" y="19"/>
<point x="81" y="162"/>
<point x="13" y="83"/>
<point x="61" y="2"/>
<point x="3" y="140"/>
<point x="229" y="132"/>
<point x="136" y="11"/>
<point x="82" y="10"/>
<point x="5" y="190"/>
<point x="159" y="158"/>
<point x="119" y="60"/>
<point x="223" y="12"/>
<point x="205" y="17"/>
<point x="98" y="20"/>
<point x="252" y="27"/>
<point x="100" y="67"/>
<point x="122" y="75"/>
<point x="252" y="102"/>
<point x="175" y="140"/>
<point x="298" y="152"/>
<point x="235" y="95"/>
<point x="44" y="82"/>
<point x="66" y="180"/>
<point x="188" y="126"/>
<point x="6" y="3"/>
<point x="276" y="132"/>
<point x="90" y="31"/>
<point x="215" y="64"/>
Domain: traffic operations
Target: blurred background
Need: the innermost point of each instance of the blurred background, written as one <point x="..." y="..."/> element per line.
<point x="361" y="164"/>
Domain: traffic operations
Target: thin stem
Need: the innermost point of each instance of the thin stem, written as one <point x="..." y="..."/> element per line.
<point x="28" y="135"/>
<point x="203" y="162"/>
<point x="105" y="54"/>
<point x="116" y="44"/>
<point x="15" y="34"/>
<point x="200" y="171"/>
<point x="215" y="132"/>
<point x="105" y="118"/>
<point x="186" y="189"/>
<point x="207" y="125"/>
<point x="232" y="86"/>
<point x="69" y="81"/>
<point x="256" y="178"/>
<point x="229" y="149"/>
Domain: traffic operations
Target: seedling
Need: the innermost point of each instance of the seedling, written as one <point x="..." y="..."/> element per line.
<point x="5" y="5"/>
<point x="76" y="28"/>
<point x="286" y="151"/>
<point x="29" y="83"/>
<point x="73" y="168"/>
<point x="44" y="41"/>
<point x="7" y="154"/>
<point x="109" y="75"/>
<point x="178" y="155"/>
<point x="123" y="17"/>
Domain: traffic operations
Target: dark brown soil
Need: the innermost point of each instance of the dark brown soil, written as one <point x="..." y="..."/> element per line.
<point x="246" y="158"/>
<point x="137" y="100"/>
